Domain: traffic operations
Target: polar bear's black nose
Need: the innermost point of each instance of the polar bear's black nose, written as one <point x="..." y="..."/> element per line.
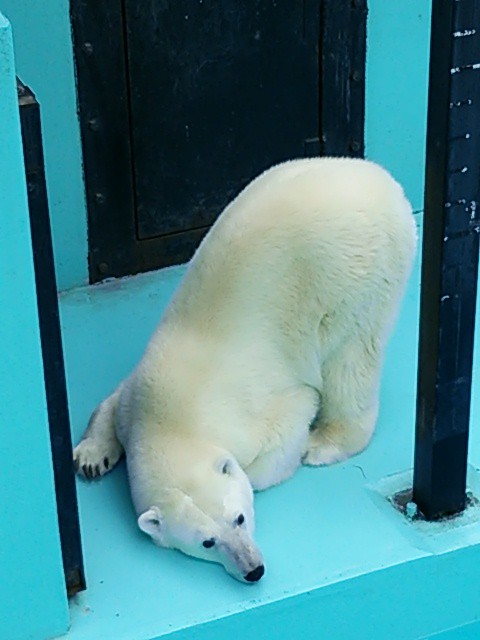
<point x="256" y="574"/>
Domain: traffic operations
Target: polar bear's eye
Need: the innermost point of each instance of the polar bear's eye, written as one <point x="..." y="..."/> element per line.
<point x="240" y="520"/>
<point x="208" y="543"/>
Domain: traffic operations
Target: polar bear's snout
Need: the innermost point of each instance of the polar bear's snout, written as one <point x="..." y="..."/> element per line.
<point x="242" y="558"/>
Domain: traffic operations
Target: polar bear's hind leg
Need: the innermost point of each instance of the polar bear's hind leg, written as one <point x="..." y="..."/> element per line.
<point x="349" y="407"/>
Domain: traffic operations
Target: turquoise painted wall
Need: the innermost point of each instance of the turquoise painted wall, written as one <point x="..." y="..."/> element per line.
<point x="43" y="53"/>
<point x="397" y="77"/>
<point x="33" y="603"/>
<point x="397" y="61"/>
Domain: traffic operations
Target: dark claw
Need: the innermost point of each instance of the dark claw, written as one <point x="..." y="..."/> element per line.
<point x="85" y="470"/>
<point x="97" y="470"/>
<point x="106" y="463"/>
<point x="90" y="471"/>
<point x="76" y="464"/>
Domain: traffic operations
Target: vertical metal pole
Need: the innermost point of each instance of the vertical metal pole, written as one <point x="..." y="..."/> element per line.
<point x="51" y="341"/>
<point x="450" y="259"/>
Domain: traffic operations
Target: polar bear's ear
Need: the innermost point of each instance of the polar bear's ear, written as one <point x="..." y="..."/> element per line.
<point x="225" y="466"/>
<point x="151" y="521"/>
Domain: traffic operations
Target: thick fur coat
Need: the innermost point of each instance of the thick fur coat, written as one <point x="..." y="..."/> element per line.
<point x="269" y="355"/>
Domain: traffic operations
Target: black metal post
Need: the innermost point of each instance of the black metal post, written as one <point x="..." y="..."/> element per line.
<point x="450" y="259"/>
<point x="51" y="340"/>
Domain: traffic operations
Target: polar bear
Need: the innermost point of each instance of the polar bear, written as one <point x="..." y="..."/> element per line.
<point x="269" y="355"/>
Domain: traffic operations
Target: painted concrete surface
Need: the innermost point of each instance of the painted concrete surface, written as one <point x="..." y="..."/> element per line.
<point x="33" y="603"/>
<point x="341" y="563"/>
<point x="466" y="632"/>
<point x="397" y="60"/>
<point x="44" y="60"/>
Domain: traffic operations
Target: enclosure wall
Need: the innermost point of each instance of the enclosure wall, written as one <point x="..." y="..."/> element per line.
<point x="44" y="61"/>
<point x="33" y="601"/>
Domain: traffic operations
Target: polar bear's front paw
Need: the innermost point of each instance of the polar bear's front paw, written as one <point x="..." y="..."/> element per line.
<point x="322" y="455"/>
<point x="93" y="459"/>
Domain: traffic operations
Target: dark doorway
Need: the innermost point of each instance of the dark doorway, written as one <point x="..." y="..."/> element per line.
<point x="182" y="103"/>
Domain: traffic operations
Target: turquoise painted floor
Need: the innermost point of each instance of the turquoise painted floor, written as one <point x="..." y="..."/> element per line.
<point x="341" y="563"/>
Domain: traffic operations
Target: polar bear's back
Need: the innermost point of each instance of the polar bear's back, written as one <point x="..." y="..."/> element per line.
<point x="310" y="254"/>
<point x="302" y="237"/>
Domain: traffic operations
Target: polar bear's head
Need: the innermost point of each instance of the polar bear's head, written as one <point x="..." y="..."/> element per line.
<point x="208" y="513"/>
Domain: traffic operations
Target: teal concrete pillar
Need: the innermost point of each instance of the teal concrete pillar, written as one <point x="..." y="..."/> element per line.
<point x="33" y="602"/>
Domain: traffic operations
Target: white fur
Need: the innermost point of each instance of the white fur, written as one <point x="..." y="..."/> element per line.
<point x="279" y="325"/>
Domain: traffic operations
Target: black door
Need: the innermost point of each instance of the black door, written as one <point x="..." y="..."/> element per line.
<point x="183" y="102"/>
<point x="219" y="92"/>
